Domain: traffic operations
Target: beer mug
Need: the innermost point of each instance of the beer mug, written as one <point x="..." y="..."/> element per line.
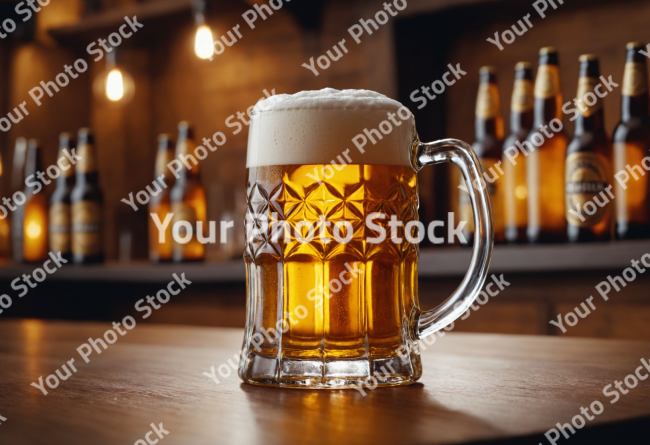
<point x="332" y="236"/>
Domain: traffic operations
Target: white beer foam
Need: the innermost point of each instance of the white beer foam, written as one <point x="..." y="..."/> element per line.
<point x="314" y="127"/>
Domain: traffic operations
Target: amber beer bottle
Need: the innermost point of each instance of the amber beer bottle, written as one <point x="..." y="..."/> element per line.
<point x="5" y="228"/>
<point x="515" y="191"/>
<point x="545" y="162"/>
<point x="488" y="141"/>
<point x="30" y="219"/>
<point x="187" y="200"/>
<point x="588" y="167"/>
<point x="87" y="201"/>
<point x="160" y="204"/>
<point x="60" y="213"/>
<point x="631" y="145"/>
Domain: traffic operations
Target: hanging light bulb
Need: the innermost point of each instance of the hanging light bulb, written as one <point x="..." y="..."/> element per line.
<point x="203" y="44"/>
<point x="115" y="85"/>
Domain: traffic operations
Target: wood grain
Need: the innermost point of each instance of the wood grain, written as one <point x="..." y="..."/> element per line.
<point x="474" y="387"/>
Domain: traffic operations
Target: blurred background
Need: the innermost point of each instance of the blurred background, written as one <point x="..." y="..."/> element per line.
<point x="171" y="84"/>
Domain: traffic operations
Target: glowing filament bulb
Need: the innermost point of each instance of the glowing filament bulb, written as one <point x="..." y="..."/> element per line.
<point x="204" y="45"/>
<point x="115" y="85"/>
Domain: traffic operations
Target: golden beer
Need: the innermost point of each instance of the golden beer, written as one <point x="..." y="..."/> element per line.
<point x="187" y="199"/>
<point x="30" y="220"/>
<point x="515" y="190"/>
<point x="631" y="145"/>
<point x="545" y="165"/>
<point x="160" y="204"/>
<point x="342" y="321"/>
<point x="87" y="215"/>
<point x="588" y="165"/>
<point x="60" y="208"/>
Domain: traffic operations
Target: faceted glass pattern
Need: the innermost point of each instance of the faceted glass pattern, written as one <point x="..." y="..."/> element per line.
<point x="322" y="312"/>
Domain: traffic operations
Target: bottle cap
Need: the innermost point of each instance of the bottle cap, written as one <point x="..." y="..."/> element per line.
<point x="588" y="58"/>
<point x="547" y="50"/>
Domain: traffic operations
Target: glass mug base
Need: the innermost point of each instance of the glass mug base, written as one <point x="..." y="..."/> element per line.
<point x="361" y="373"/>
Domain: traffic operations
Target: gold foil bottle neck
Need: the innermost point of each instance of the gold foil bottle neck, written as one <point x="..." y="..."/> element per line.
<point x="488" y="103"/>
<point x="88" y="161"/>
<point x="65" y="144"/>
<point x="547" y="82"/>
<point x="635" y="79"/>
<point x="588" y="100"/>
<point x="163" y="158"/>
<point x="523" y="96"/>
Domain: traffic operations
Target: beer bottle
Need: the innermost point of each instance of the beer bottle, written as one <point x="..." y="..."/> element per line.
<point x="60" y="217"/>
<point x="488" y="141"/>
<point x="30" y="218"/>
<point x="18" y="170"/>
<point x="515" y="192"/>
<point x="188" y="200"/>
<point x="588" y="166"/>
<point x="87" y="201"/>
<point x="631" y="145"/>
<point x="5" y="229"/>
<point x="546" y="144"/>
<point x="160" y="204"/>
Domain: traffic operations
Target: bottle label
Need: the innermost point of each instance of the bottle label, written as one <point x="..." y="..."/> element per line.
<point x="87" y="163"/>
<point x="488" y="104"/>
<point x="588" y="101"/>
<point x="87" y="239"/>
<point x="60" y="228"/>
<point x="587" y="193"/>
<point x="635" y="79"/>
<point x="547" y="83"/>
<point x="523" y="96"/>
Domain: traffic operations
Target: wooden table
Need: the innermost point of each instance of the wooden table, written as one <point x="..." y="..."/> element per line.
<point x="507" y="389"/>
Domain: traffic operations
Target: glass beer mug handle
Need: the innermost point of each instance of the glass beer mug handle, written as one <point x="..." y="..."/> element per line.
<point x="424" y="323"/>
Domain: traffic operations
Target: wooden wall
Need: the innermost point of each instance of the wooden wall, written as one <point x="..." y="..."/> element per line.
<point x="444" y="31"/>
<point x="269" y="58"/>
<point x="575" y="28"/>
<point x="27" y="64"/>
<point x="172" y="84"/>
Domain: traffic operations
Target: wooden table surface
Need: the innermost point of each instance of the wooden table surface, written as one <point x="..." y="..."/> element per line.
<point x="474" y="388"/>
